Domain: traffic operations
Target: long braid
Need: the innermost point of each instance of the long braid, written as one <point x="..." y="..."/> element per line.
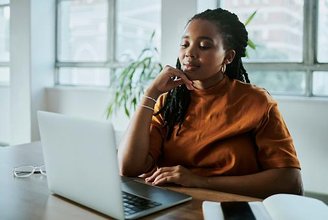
<point x="236" y="70"/>
<point x="235" y="37"/>
<point x="175" y="106"/>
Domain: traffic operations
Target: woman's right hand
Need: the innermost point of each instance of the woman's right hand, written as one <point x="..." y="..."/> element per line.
<point x="168" y="79"/>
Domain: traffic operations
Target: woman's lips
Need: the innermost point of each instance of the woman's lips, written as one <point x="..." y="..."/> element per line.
<point x="190" y="67"/>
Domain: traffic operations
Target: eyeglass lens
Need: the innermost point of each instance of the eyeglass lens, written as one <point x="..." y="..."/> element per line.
<point x="25" y="171"/>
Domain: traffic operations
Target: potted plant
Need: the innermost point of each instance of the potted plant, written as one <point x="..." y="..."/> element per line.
<point x="132" y="80"/>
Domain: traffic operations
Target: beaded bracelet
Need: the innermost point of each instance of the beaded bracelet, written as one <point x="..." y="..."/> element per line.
<point x="150" y="98"/>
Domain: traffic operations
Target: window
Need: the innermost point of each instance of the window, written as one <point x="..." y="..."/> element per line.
<point x="286" y="34"/>
<point x="323" y="31"/>
<point x="96" y="37"/>
<point x="4" y="42"/>
<point x="320" y="80"/>
<point x="82" y="31"/>
<point x="280" y="82"/>
<point x="136" y="21"/>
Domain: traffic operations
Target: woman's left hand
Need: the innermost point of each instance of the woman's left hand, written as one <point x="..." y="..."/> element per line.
<point x="176" y="174"/>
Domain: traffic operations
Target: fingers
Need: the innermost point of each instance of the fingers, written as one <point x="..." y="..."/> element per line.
<point x="145" y="175"/>
<point x="170" y="78"/>
<point x="148" y="174"/>
<point x="166" y="175"/>
<point x="166" y="178"/>
<point x="177" y="82"/>
<point x="182" y="78"/>
<point x="158" y="172"/>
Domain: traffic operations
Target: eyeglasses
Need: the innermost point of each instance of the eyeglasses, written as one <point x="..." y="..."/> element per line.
<point x="26" y="171"/>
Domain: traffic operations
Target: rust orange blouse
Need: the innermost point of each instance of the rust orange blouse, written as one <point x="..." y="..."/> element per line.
<point x="232" y="128"/>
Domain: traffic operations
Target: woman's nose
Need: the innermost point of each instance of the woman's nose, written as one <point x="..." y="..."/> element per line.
<point x="190" y="53"/>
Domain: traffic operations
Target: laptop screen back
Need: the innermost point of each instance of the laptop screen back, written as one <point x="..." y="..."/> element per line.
<point x="81" y="162"/>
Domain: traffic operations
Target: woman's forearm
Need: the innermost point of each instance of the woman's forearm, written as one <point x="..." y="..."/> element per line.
<point x="133" y="153"/>
<point x="134" y="158"/>
<point x="261" y="185"/>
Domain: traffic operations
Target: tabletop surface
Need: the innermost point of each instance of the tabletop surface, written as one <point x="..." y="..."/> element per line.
<point x="29" y="198"/>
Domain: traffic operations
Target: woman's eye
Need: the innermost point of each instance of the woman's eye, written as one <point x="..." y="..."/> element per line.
<point x="204" y="47"/>
<point x="183" y="45"/>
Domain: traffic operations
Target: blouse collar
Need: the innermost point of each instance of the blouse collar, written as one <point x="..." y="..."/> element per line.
<point x="215" y="89"/>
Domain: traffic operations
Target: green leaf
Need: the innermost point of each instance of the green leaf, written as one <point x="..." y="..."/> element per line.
<point x="125" y="73"/>
<point x="246" y="53"/>
<point x="148" y="61"/>
<point x="127" y="112"/>
<point x="251" y="44"/>
<point x="150" y="72"/>
<point x="134" y="103"/>
<point x="143" y="51"/>
<point x="110" y="110"/>
<point x="250" y="18"/>
<point x="152" y="35"/>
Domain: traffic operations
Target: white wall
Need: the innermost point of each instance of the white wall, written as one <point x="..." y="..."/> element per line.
<point x="307" y="121"/>
<point x="88" y="103"/>
<point x="32" y="50"/>
<point x="84" y="102"/>
<point x="175" y="15"/>
<point x="4" y="115"/>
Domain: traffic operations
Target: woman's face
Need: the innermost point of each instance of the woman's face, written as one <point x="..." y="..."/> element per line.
<point x="201" y="50"/>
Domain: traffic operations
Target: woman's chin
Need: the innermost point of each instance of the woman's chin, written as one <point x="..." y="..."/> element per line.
<point x="190" y="74"/>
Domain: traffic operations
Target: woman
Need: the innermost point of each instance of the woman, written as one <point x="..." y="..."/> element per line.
<point x="202" y="124"/>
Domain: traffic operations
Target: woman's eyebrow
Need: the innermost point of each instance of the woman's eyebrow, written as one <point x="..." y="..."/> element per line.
<point x="199" y="38"/>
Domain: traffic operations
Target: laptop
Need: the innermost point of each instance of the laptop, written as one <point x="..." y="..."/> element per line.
<point x="81" y="162"/>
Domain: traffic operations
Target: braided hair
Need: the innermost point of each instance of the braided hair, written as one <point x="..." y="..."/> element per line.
<point x="235" y="37"/>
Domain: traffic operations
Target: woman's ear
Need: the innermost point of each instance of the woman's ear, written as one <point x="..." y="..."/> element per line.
<point x="230" y="55"/>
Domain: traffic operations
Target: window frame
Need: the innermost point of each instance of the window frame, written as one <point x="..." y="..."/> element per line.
<point x="110" y="62"/>
<point x="5" y="64"/>
<point x="310" y="63"/>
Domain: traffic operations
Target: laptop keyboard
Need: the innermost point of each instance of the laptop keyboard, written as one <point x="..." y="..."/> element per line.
<point x="133" y="204"/>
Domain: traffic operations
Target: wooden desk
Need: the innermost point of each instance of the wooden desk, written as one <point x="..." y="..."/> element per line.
<point x="29" y="198"/>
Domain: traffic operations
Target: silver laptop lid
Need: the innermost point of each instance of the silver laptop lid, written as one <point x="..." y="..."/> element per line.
<point x="81" y="162"/>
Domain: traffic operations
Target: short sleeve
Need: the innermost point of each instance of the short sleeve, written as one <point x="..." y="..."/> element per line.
<point x="275" y="144"/>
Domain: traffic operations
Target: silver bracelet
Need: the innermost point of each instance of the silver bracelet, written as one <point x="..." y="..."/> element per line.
<point x="147" y="107"/>
<point x="150" y="98"/>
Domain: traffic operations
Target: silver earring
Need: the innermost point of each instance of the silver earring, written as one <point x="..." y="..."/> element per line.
<point x="223" y="68"/>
